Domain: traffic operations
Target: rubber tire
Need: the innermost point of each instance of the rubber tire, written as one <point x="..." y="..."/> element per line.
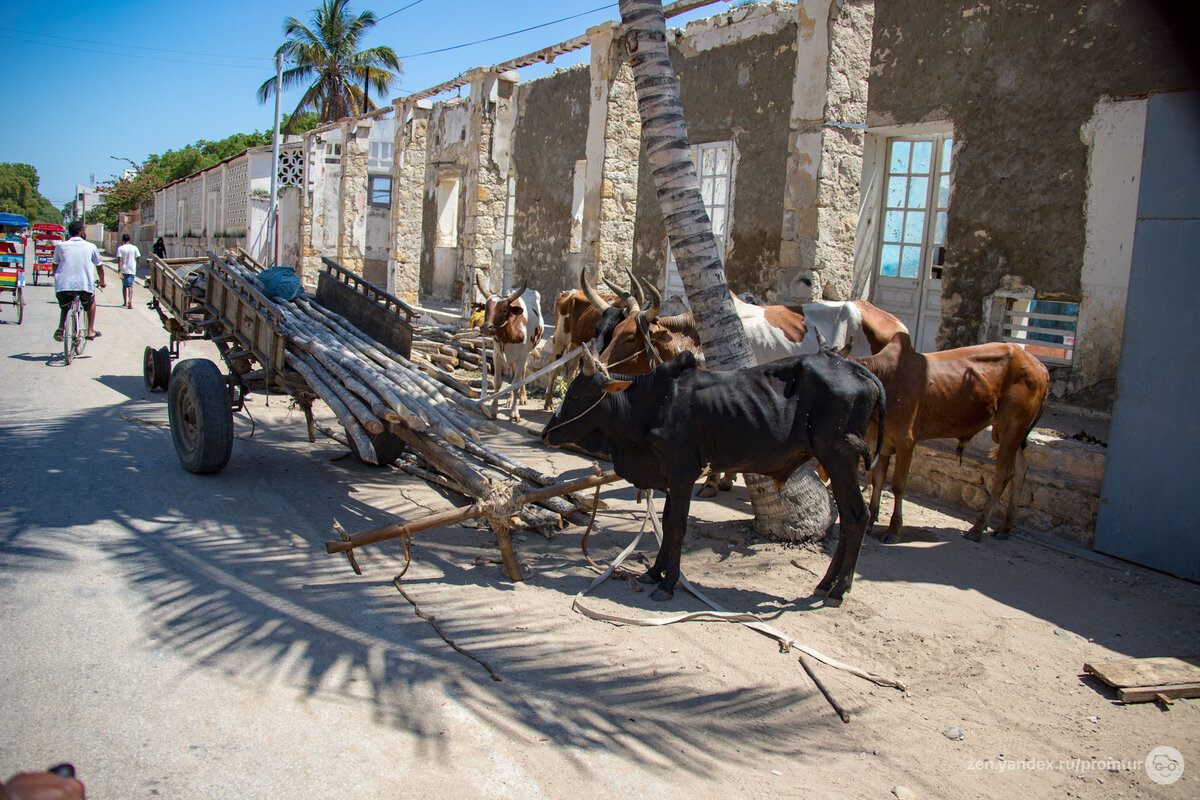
<point x="20" y="306"/>
<point x="201" y="416"/>
<point x="156" y="368"/>
<point x="388" y="448"/>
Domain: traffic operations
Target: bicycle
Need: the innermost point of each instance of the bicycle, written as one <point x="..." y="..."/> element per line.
<point x="74" y="330"/>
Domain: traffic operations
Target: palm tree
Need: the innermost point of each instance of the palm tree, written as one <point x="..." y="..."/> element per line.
<point x="325" y="56"/>
<point x="803" y="510"/>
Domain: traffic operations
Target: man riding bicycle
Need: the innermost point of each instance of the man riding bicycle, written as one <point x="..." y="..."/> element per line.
<point x="77" y="272"/>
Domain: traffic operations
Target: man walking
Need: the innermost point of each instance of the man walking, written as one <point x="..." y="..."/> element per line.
<point x="127" y="261"/>
<point x="76" y="274"/>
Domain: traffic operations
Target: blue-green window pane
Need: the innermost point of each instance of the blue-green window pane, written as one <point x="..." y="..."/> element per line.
<point x="944" y="192"/>
<point x="947" y="147"/>
<point x="889" y="261"/>
<point x="914" y="227"/>
<point x="897" y="189"/>
<point x="910" y="262"/>
<point x="900" y="151"/>
<point x="918" y="191"/>
<point x="939" y="236"/>
<point x="893" y="226"/>
<point x="922" y="152"/>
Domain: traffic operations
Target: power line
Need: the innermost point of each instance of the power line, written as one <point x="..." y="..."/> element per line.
<point x="506" y="35"/>
<point x="130" y="46"/>
<point x="398" y="10"/>
<point x="128" y="55"/>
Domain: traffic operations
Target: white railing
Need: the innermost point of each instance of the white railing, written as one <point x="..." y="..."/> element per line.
<point x="1049" y="337"/>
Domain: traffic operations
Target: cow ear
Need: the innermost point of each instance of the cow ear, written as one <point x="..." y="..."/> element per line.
<point x="613" y="386"/>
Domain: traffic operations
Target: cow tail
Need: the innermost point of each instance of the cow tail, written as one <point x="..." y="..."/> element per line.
<point x="882" y="404"/>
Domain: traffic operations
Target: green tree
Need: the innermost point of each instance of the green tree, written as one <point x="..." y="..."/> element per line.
<point x="19" y="194"/>
<point x="327" y="60"/>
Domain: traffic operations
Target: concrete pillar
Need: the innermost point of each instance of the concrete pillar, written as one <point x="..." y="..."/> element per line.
<point x="408" y="196"/>
<point x="310" y="252"/>
<point x="352" y="221"/>
<point x="484" y="182"/>
<point x="825" y="150"/>
<point x="613" y="151"/>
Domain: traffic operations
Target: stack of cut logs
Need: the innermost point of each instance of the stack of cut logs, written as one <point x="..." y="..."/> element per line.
<point x="451" y="348"/>
<point x="379" y="396"/>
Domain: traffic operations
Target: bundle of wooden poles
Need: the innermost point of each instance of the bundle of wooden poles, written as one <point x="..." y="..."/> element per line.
<point x="383" y="399"/>
<point x="451" y="348"/>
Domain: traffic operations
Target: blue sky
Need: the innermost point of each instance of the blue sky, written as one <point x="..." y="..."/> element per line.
<point x="89" y="80"/>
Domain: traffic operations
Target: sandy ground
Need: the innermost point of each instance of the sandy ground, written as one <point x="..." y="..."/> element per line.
<point x="185" y="636"/>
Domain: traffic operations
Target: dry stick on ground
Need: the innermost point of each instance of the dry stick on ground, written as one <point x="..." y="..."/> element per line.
<point x="496" y="676"/>
<point x="841" y="712"/>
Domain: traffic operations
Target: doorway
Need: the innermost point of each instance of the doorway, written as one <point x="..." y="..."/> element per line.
<point x="914" y="197"/>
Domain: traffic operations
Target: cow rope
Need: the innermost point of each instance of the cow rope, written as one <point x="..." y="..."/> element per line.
<point x="718" y="613"/>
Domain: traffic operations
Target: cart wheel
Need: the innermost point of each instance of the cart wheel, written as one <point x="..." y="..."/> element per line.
<point x="156" y="368"/>
<point x="20" y="306"/>
<point x="388" y="448"/>
<point x="201" y="416"/>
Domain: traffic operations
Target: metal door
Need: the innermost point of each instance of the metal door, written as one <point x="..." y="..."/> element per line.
<point x="1148" y="513"/>
<point x="912" y="238"/>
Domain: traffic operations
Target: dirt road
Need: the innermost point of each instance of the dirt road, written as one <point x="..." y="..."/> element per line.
<point x="184" y="636"/>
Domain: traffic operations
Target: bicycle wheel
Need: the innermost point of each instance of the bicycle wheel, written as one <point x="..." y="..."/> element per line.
<point x="20" y="305"/>
<point x="80" y="328"/>
<point x="70" y="331"/>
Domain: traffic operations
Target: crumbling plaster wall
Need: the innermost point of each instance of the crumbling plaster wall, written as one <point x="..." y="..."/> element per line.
<point x="745" y="61"/>
<point x="1019" y="80"/>
<point x="549" y="137"/>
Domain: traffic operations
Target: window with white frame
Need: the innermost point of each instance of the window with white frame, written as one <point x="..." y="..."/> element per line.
<point x="379" y="156"/>
<point x="714" y="170"/>
<point x="916" y="200"/>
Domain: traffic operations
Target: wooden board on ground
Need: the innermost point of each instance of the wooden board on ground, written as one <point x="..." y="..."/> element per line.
<point x="1140" y="680"/>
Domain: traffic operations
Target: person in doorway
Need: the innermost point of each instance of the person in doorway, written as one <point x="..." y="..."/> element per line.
<point x="127" y="264"/>
<point x="160" y="248"/>
<point x="77" y="273"/>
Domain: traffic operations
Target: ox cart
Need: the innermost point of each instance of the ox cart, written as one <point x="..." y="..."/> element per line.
<point x="219" y="300"/>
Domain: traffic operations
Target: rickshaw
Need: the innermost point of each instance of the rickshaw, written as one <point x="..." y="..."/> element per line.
<point x="45" y="235"/>
<point x="12" y="260"/>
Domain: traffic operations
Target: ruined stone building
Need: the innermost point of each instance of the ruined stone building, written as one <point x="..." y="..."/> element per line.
<point x="973" y="168"/>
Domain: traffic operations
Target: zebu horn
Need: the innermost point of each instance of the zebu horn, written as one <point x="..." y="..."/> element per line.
<point x="597" y="302"/>
<point x="635" y="288"/>
<point x="821" y="343"/>
<point x="482" y="289"/>
<point x="655" y="296"/>
<point x="625" y="296"/>
<point x="655" y="302"/>
<point x="588" y="367"/>
<point x="513" y="297"/>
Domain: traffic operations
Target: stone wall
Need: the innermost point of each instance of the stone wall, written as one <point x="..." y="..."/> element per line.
<point x="408" y="199"/>
<point x="1061" y="494"/>
<point x="1019" y="79"/>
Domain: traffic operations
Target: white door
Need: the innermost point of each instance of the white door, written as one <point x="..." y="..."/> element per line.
<point x="912" y="238"/>
<point x="714" y="170"/>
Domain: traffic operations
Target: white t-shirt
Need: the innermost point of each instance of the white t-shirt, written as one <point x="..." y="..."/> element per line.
<point x="75" y="261"/>
<point x="127" y="256"/>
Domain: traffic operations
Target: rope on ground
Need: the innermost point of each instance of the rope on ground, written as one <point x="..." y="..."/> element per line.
<point x="718" y="614"/>
<point x="496" y="676"/>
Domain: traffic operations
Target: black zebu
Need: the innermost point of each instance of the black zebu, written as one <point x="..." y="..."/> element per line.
<point x="665" y="427"/>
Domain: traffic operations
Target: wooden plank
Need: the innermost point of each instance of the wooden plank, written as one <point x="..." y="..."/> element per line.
<point x="1146" y="694"/>
<point x="558" y="362"/>
<point x="1129" y="672"/>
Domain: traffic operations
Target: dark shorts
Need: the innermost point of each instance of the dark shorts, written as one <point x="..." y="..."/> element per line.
<point x="127" y="280"/>
<point x="64" y="299"/>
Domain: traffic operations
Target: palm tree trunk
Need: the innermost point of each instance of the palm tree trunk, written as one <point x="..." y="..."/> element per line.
<point x="803" y="510"/>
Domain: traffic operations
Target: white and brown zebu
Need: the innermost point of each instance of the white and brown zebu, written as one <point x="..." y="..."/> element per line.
<point x="514" y="322"/>
<point x="954" y="394"/>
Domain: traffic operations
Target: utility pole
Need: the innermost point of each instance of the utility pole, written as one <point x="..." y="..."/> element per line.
<point x="272" y="223"/>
